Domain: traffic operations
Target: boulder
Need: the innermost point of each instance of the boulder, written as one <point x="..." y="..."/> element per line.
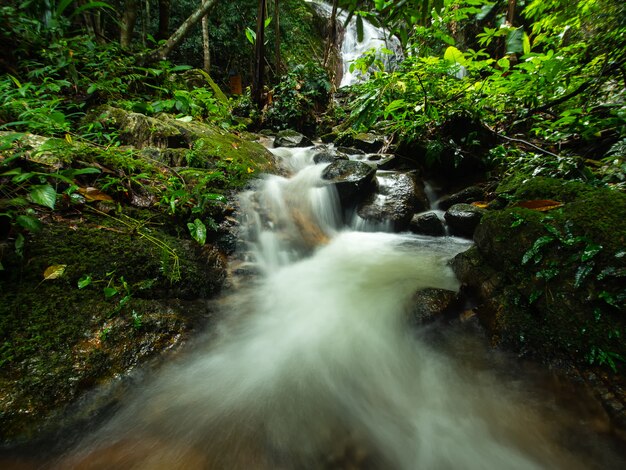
<point x="353" y="180"/>
<point x="368" y="142"/>
<point x="398" y="197"/>
<point x="427" y="223"/>
<point x="291" y="139"/>
<point x="467" y="195"/>
<point x="428" y="304"/>
<point x="328" y="156"/>
<point x="463" y="219"/>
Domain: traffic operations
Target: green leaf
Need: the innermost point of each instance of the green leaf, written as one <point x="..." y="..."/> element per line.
<point x="534" y="250"/>
<point x="84" y="281"/>
<point x="359" y="29"/>
<point x="109" y="292"/>
<point x="19" y="245"/>
<point x="590" y="251"/>
<point x="581" y="273"/>
<point x="44" y="195"/>
<point x="454" y="55"/>
<point x="251" y="35"/>
<point x="198" y="231"/>
<point x="526" y="44"/>
<point x="29" y="223"/>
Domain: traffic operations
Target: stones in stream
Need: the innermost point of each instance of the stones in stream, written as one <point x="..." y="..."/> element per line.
<point x="353" y="180"/>
<point x="291" y="139"/>
<point x="463" y="219"/>
<point x="427" y="223"/>
<point x="399" y="196"/>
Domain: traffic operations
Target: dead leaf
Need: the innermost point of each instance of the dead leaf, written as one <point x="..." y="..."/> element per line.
<point x="94" y="194"/>
<point x="480" y="204"/>
<point x="541" y="205"/>
<point x="54" y="272"/>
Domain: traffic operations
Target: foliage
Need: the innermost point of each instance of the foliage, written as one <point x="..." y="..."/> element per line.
<point x="299" y="94"/>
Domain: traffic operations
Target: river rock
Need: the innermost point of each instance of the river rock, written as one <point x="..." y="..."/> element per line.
<point x="399" y="196"/>
<point x="328" y="156"/>
<point x="382" y="161"/>
<point x="463" y="219"/>
<point x="350" y="150"/>
<point x="291" y="139"/>
<point x="467" y="195"/>
<point x="428" y="304"/>
<point x="427" y="223"/>
<point x="353" y="180"/>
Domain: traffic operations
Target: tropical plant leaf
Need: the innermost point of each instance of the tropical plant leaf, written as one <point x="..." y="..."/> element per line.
<point x="198" y="231"/>
<point x="54" y="272"/>
<point x="44" y="195"/>
<point x="84" y="281"/>
<point x="454" y="55"/>
<point x="29" y="223"/>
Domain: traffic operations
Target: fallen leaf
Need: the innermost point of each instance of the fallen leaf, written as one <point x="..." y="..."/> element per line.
<point x="480" y="204"/>
<point x="94" y="194"/>
<point x="235" y="146"/>
<point x="541" y="205"/>
<point x="54" y="272"/>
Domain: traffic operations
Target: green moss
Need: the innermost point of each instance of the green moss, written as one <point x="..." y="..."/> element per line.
<point x="57" y="340"/>
<point x="564" y="272"/>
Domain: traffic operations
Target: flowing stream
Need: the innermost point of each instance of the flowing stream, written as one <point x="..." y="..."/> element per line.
<point x="315" y="365"/>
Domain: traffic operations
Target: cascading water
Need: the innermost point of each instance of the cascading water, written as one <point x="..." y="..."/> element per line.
<point x="315" y="366"/>
<point x="351" y="48"/>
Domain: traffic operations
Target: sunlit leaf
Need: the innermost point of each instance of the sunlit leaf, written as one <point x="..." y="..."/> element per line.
<point x="109" y="292"/>
<point x="454" y="55"/>
<point x="54" y="272"/>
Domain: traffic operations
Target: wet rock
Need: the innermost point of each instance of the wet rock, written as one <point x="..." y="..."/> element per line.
<point x="463" y="219"/>
<point x="328" y="156"/>
<point x="291" y="139"/>
<point x="467" y="195"/>
<point x="428" y="223"/>
<point x="398" y="197"/>
<point x="428" y="304"/>
<point x="368" y="142"/>
<point x="382" y="161"/>
<point x="353" y="180"/>
<point x="350" y="150"/>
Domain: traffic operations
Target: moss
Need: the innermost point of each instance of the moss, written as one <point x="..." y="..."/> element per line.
<point x="562" y="295"/>
<point x="57" y="340"/>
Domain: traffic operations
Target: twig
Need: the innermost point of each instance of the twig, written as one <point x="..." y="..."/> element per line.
<point x="513" y="139"/>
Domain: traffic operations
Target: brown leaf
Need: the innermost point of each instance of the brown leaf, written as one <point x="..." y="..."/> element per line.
<point x="94" y="194"/>
<point x="480" y="204"/>
<point x="541" y="205"/>
<point x="54" y="272"/>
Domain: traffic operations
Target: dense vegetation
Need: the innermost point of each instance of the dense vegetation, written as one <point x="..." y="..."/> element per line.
<point x="99" y="125"/>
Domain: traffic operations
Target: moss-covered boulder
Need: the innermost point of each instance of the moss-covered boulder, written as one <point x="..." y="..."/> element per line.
<point x="92" y="297"/>
<point x="552" y="282"/>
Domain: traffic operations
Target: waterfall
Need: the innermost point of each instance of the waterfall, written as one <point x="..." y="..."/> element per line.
<point x="351" y="48"/>
<point x="314" y="366"/>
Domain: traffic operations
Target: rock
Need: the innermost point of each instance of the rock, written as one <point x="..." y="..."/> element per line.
<point x="467" y="195"/>
<point x="427" y="223"/>
<point x="138" y="129"/>
<point x="428" y="304"/>
<point x="463" y="219"/>
<point x="328" y="156"/>
<point x="350" y="150"/>
<point x="398" y="197"/>
<point x="368" y="142"/>
<point x="353" y="180"/>
<point x="382" y="161"/>
<point x="289" y="138"/>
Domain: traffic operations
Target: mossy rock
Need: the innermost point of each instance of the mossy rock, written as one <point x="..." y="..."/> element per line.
<point x="58" y="340"/>
<point x="560" y="293"/>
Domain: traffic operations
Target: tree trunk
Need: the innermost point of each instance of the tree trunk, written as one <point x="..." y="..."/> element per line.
<point x="164" y="19"/>
<point x="279" y="65"/>
<point x="259" y="57"/>
<point x="129" y="18"/>
<point x="510" y="16"/>
<point x="205" y="44"/>
<point x="332" y="37"/>
<point x="162" y="52"/>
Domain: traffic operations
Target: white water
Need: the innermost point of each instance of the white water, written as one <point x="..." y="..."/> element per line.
<point x="316" y="367"/>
